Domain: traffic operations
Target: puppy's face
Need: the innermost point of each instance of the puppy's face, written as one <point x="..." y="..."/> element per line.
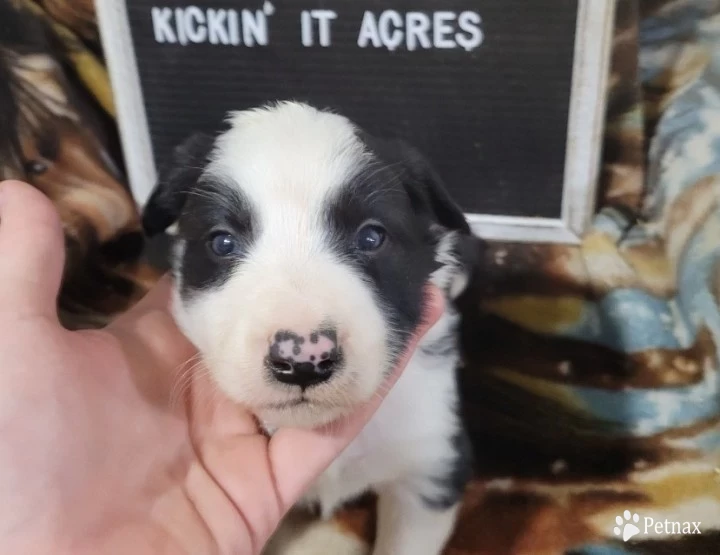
<point x="303" y="250"/>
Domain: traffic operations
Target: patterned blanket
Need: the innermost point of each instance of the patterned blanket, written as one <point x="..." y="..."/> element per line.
<point x="591" y="375"/>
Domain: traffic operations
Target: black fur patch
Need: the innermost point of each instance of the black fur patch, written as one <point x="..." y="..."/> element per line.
<point x="212" y="207"/>
<point x="176" y="180"/>
<point x="400" y="191"/>
<point x="452" y="483"/>
<point x="398" y="271"/>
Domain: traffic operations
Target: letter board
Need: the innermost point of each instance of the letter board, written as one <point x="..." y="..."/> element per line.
<point x="506" y="97"/>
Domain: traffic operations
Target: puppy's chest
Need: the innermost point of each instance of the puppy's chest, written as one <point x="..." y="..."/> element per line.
<point x="410" y="431"/>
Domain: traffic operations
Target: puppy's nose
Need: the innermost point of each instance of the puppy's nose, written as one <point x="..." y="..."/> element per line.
<point x="304" y="360"/>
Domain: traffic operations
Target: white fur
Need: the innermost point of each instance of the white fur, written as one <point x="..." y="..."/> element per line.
<point x="407" y="438"/>
<point x="286" y="160"/>
<point x="449" y="277"/>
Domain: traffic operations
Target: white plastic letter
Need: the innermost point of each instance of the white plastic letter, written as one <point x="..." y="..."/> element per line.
<point x="442" y="30"/>
<point x="195" y="24"/>
<point x="254" y="28"/>
<point x="391" y="38"/>
<point x="217" y="27"/>
<point x="180" y="25"/>
<point x="306" y="30"/>
<point x="470" y="23"/>
<point x="369" y="31"/>
<point x="417" y="30"/>
<point x="161" y="25"/>
<point x="324" y="17"/>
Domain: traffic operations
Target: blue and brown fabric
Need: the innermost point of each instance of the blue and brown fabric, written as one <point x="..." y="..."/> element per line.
<point x="591" y="376"/>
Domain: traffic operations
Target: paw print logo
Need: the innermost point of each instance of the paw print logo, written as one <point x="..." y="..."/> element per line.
<point x="627" y="525"/>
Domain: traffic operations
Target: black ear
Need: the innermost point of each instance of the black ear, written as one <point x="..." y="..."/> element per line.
<point x="429" y="195"/>
<point x="174" y="181"/>
<point x="426" y="188"/>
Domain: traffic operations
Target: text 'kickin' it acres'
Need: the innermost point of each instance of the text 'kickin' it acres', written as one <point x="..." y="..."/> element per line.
<point x="389" y="29"/>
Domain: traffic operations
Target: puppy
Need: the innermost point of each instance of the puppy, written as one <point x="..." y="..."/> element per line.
<point x="303" y="248"/>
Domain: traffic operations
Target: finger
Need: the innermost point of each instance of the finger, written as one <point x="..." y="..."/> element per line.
<point x="154" y="306"/>
<point x="318" y="448"/>
<point x="214" y="416"/>
<point x="159" y="298"/>
<point x="161" y="353"/>
<point x="32" y="250"/>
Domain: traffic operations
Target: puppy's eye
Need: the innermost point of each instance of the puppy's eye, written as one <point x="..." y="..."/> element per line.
<point x="223" y="244"/>
<point x="35" y="167"/>
<point x="370" y="237"/>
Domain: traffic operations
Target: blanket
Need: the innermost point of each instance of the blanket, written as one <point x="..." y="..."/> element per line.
<point x="590" y="375"/>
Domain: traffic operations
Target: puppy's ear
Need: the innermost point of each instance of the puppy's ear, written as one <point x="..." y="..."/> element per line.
<point x="175" y="181"/>
<point x="462" y="255"/>
<point x="426" y="188"/>
<point x="470" y="253"/>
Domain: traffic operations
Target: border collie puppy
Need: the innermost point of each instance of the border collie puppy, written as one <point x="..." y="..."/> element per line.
<point x="302" y="251"/>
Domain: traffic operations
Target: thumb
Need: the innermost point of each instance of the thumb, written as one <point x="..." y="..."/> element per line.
<point x="32" y="251"/>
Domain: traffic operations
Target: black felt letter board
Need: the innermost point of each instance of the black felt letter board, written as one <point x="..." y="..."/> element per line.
<point x="482" y="87"/>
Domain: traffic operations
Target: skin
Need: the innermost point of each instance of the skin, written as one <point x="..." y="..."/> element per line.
<point x="107" y="445"/>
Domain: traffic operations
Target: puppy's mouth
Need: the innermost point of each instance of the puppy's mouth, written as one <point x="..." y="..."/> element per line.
<point x="300" y="401"/>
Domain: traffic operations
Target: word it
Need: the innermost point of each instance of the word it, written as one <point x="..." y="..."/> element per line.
<point x="307" y="30"/>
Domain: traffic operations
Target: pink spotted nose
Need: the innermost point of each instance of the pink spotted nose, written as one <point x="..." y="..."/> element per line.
<point x="304" y="360"/>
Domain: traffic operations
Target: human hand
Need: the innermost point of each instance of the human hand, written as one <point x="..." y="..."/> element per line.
<point x="110" y="442"/>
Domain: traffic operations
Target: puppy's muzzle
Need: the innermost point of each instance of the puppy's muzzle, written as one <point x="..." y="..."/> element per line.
<point x="304" y="360"/>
